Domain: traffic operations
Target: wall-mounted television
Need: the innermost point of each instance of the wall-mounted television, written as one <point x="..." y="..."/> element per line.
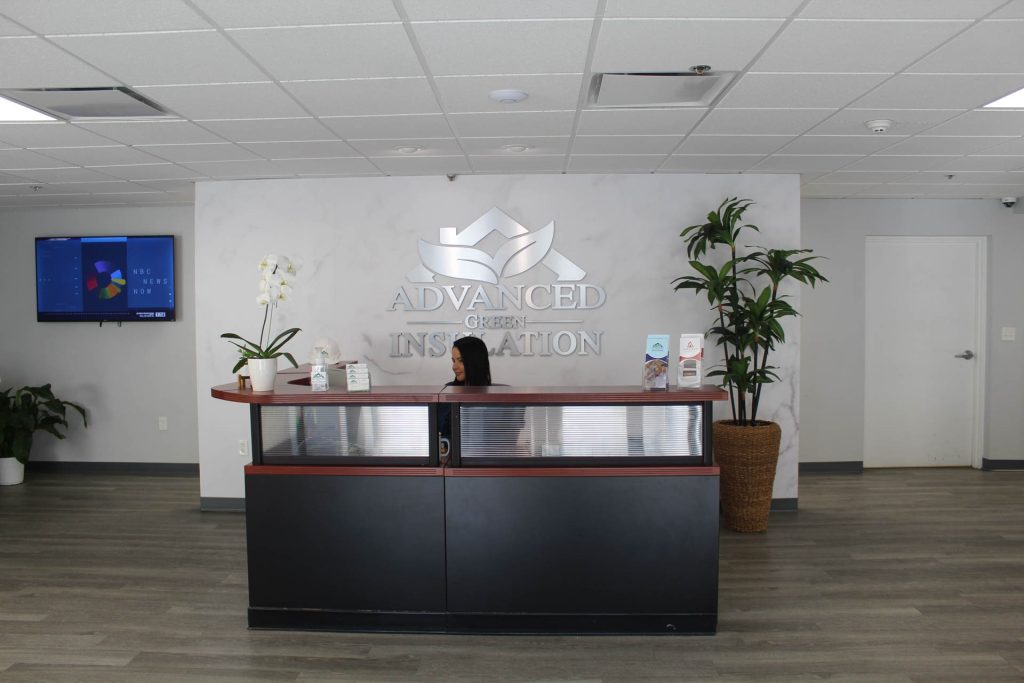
<point x="107" y="278"/>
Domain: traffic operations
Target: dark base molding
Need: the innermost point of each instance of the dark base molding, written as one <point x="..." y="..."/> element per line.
<point x="994" y="465"/>
<point x="439" y="622"/>
<point x="846" y="467"/>
<point x="785" y="504"/>
<point x="210" y="504"/>
<point x="175" y="469"/>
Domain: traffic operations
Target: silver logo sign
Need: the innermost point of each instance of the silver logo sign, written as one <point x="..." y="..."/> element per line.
<point x="457" y="254"/>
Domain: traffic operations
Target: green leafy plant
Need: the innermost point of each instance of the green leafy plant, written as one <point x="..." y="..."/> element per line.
<point x="276" y="276"/>
<point x="744" y="293"/>
<point x="27" y="410"/>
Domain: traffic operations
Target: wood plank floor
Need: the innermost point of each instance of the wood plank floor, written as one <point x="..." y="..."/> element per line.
<point x="893" y="575"/>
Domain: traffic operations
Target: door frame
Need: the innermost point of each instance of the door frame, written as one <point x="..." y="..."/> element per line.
<point x="981" y="243"/>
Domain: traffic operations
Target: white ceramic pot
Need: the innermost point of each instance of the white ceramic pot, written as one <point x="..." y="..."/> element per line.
<point x="11" y="471"/>
<point x="262" y="373"/>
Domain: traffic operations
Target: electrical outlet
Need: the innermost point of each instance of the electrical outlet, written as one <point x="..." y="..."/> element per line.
<point x="243" y="447"/>
<point x="161" y="423"/>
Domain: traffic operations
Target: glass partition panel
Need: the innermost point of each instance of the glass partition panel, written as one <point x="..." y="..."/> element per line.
<point x="346" y="430"/>
<point x="581" y="431"/>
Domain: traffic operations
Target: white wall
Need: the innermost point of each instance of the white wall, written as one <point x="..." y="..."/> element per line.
<point x="126" y="376"/>
<point x="832" y="360"/>
<point x="358" y="239"/>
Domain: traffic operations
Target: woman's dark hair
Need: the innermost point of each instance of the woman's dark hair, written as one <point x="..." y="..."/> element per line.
<point x="475" y="361"/>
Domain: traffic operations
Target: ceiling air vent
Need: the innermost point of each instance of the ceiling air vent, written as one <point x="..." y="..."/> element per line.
<point x="88" y="103"/>
<point x="696" y="89"/>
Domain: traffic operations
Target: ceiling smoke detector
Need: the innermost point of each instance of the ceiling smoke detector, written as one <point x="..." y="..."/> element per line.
<point x="508" y="96"/>
<point x="878" y="125"/>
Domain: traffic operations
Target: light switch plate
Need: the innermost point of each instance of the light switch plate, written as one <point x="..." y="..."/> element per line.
<point x="1008" y="334"/>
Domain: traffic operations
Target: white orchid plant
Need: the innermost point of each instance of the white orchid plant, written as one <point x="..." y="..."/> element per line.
<point x="277" y="273"/>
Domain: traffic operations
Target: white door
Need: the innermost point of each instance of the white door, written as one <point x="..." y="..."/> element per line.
<point x="924" y="351"/>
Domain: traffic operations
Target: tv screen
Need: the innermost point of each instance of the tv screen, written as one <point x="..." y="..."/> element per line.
<point x="100" y="279"/>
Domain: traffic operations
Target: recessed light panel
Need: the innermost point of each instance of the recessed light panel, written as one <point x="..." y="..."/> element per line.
<point x="1014" y="100"/>
<point x="11" y="111"/>
<point x="658" y="89"/>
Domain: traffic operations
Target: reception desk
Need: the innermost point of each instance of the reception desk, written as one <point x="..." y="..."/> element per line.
<point x="558" y="510"/>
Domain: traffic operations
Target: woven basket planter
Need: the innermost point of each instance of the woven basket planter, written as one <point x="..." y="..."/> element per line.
<point x="747" y="457"/>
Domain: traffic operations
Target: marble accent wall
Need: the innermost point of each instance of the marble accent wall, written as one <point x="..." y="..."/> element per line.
<point x="358" y="240"/>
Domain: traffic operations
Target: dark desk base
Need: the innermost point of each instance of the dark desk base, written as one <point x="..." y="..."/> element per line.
<point x="483" y="551"/>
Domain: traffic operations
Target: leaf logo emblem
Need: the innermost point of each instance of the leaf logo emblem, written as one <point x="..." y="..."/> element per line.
<point x="458" y="257"/>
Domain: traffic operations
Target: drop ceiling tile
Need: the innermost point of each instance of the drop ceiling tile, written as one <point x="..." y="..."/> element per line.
<point x="225" y="101"/>
<point x="1013" y="147"/>
<point x="107" y="187"/>
<point x="429" y="147"/>
<point x="981" y="163"/>
<point x="933" y="144"/>
<point x="9" y="28"/>
<point x="504" y="47"/>
<point x="164" y="58"/>
<point x="905" y="121"/>
<point x="711" y="163"/>
<point x="64" y="175"/>
<point x="498" y="147"/>
<point x="12" y="179"/>
<point x="153" y="172"/>
<point x="217" y="151"/>
<point x="183" y="187"/>
<point x="761" y="121"/>
<point x="939" y="177"/>
<point x="1011" y="10"/>
<point x="833" y="190"/>
<point x="470" y="93"/>
<point x="50" y="135"/>
<point x="897" y="163"/>
<point x="676" y="121"/>
<point x="802" y="163"/>
<point x="340" y="165"/>
<point x="253" y="13"/>
<point x="939" y="91"/>
<point x="400" y="126"/>
<point x="756" y="9"/>
<point x="627" y="45"/>
<point x="840" y="144"/>
<point x="455" y="10"/>
<point x="23" y="158"/>
<point x="150" y="132"/>
<point x="232" y="170"/>
<point x="439" y="166"/>
<point x="905" y="9"/>
<point x="615" y="163"/>
<point x="318" y="149"/>
<point x="82" y="16"/>
<point x="799" y="90"/>
<point x="980" y="49"/>
<point x="31" y="62"/>
<point x="98" y="156"/>
<point x="625" y="144"/>
<point x="733" y="144"/>
<point x="267" y="130"/>
<point x="854" y="46"/>
<point x="506" y="163"/>
<point x="365" y="97"/>
<point x="863" y="177"/>
<point x="315" y="52"/>
<point x="497" y="124"/>
<point x="985" y="122"/>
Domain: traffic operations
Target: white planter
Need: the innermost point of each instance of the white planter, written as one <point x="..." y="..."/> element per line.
<point x="11" y="471"/>
<point x="262" y="373"/>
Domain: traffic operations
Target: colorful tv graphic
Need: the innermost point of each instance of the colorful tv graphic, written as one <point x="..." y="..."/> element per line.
<point x="105" y="278"/>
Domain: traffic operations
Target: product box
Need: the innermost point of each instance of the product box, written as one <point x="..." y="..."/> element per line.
<point x="357" y="376"/>
<point x="655" y="374"/>
<point x="689" y="372"/>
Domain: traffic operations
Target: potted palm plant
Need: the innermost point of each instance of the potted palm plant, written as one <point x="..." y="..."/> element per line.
<point x="23" y="412"/>
<point x="744" y="291"/>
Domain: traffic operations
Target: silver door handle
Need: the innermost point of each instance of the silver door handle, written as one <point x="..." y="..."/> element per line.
<point x="966" y="355"/>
